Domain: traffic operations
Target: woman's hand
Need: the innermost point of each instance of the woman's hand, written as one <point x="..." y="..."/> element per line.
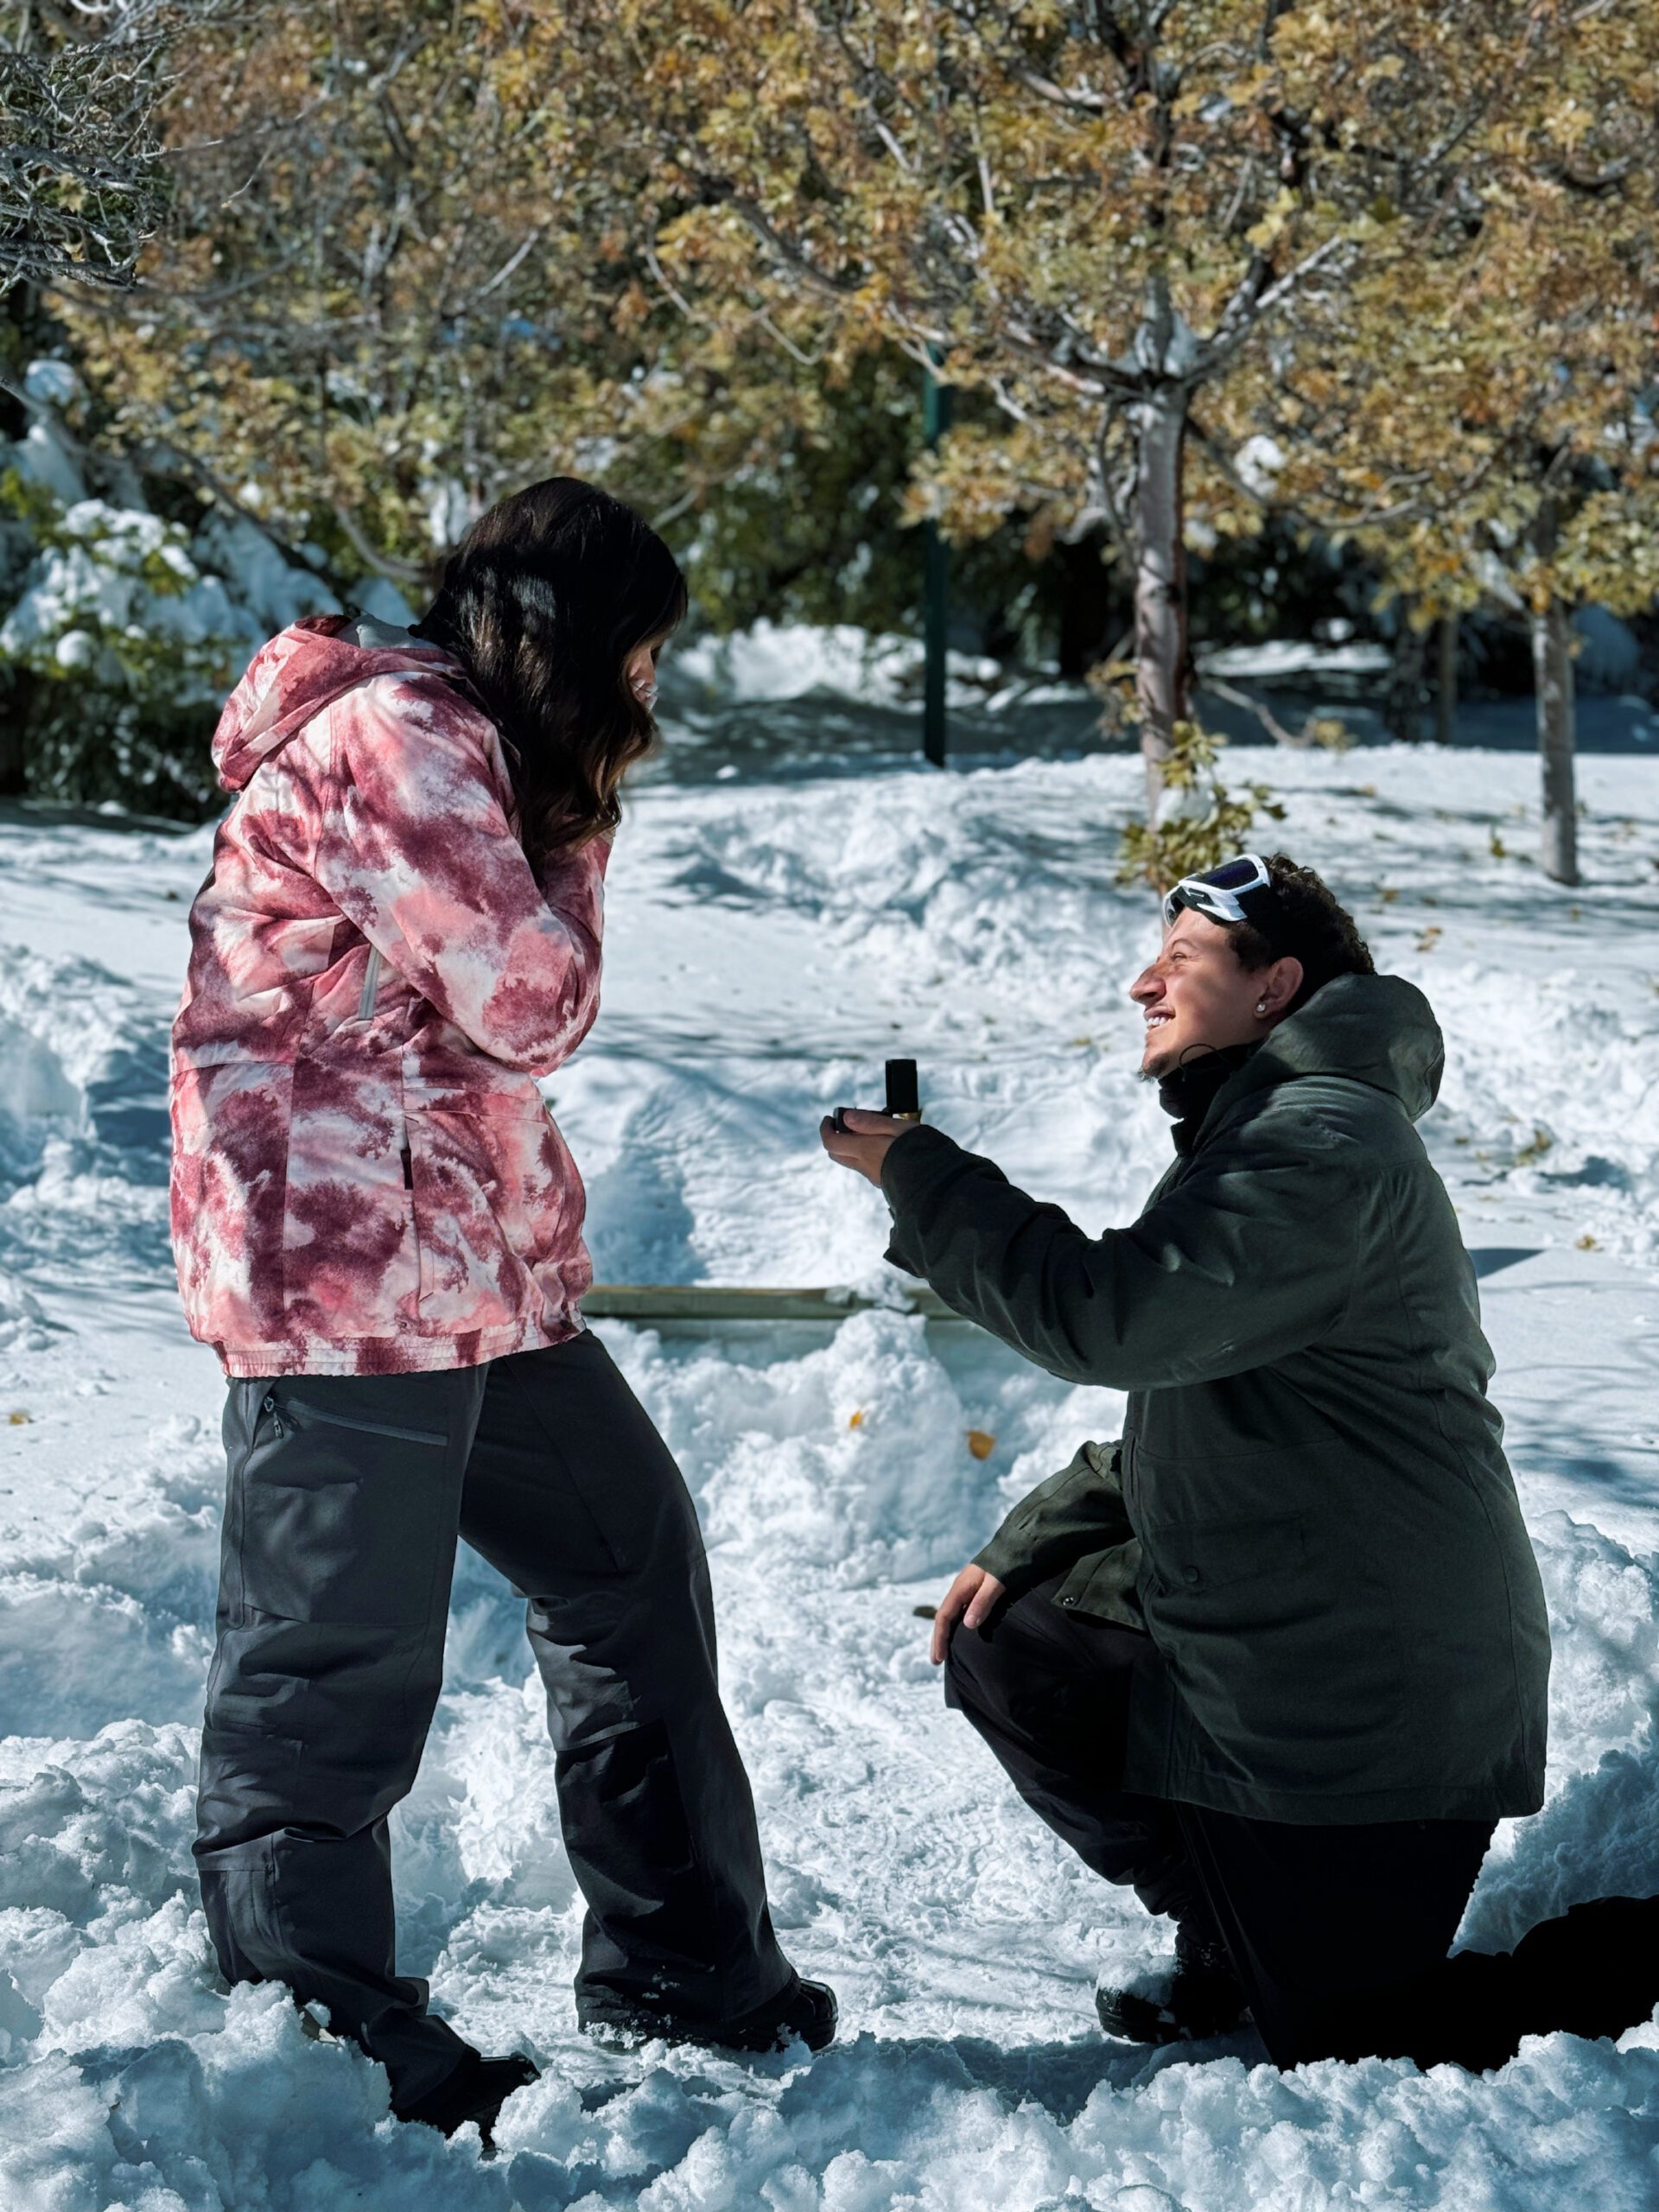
<point x="971" y="1598"/>
<point x="862" y="1142"/>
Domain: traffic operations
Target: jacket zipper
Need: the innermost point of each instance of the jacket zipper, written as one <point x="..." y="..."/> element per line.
<point x="291" y="1406"/>
<point x="366" y="1013"/>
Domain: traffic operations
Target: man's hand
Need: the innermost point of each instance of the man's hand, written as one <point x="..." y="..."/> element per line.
<point x="862" y="1142"/>
<point x="970" y="1599"/>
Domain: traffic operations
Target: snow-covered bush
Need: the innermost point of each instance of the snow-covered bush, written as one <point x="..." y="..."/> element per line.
<point x="122" y="629"/>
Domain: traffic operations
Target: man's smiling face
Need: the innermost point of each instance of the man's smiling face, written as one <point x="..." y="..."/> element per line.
<point x="1198" y="995"/>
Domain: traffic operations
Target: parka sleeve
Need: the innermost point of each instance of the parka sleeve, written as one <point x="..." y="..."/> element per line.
<point x="1250" y="1258"/>
<point x="1079" y="1510"/>
<point x="418" y="852"/>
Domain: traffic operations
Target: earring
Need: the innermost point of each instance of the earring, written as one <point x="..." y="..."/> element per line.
<point x="1261" y="1006"/>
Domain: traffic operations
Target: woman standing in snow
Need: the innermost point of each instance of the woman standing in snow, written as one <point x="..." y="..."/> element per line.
<point x="379" y="1228"/>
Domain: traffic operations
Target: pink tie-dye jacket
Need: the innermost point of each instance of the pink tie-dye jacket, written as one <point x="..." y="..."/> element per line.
<point x="366" y="1179"/>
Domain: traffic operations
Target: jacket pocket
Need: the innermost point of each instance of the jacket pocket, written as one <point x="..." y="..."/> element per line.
<point x="232" y="1139"/>
<point x="1197" y="1556"/>
<point x="348" y="1223"/>
<point x="489" y="1202"/>
<point x="1282" y="1648"/>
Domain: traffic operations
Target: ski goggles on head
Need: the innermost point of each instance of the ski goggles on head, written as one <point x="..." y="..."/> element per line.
<point x="1239" y="890"/>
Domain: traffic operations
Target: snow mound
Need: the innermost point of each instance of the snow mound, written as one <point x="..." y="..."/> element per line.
<point x="111" y="1614"/>
<point x="33" y="1084"/>
<point x="23" y="1324"/>
<point x="1587" y="1060"/>
<point x="849" y="1459"/>
<point x="84" y="1135"/>
<point x="793" y="660"/>
<point x="82" y="1046"/>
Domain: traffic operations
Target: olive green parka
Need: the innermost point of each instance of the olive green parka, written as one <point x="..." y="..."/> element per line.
<point x="1309" y="1513"/>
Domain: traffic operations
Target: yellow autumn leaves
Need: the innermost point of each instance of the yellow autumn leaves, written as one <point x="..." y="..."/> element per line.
<point x="980" y="1442"/>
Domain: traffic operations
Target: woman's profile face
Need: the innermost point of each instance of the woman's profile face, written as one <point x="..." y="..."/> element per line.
<point x="642" y="675"/>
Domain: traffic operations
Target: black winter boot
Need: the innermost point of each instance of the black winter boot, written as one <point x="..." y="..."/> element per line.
<point x="476" y="2090"/>
<point x="1594" y="1971"/>
<point x="1203" y="1996"/>
<point x="802" y="2012"/>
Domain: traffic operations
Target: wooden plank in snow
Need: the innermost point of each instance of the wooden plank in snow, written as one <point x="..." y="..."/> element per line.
<point x="660" y="1301"/>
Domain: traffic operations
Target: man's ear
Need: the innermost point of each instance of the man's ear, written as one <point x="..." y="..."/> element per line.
<point x="1279" y="986"/>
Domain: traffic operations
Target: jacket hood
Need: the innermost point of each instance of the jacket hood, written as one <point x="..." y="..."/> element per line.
<point x="1375" y="1029"/>
<point x="302" y="670"/>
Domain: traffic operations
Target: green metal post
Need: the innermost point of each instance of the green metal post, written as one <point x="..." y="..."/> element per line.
<point x="935" y="583"/>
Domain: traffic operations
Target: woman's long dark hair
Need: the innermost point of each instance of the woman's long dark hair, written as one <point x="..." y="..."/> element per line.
<point x="544" y="602"/>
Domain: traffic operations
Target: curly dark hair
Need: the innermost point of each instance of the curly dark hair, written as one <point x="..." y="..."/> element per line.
<point x="1314" y="929"/>
<point x="544" y="601"/>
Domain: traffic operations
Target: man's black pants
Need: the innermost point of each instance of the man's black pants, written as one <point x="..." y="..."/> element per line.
<point x="1339" y="1935"/>
<point x="346" y="1495"/>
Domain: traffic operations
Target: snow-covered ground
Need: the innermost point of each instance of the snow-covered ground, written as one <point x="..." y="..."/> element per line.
<point x="774" y="932"/>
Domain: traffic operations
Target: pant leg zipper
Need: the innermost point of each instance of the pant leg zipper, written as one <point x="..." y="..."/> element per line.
<point x="292" y="1406"/>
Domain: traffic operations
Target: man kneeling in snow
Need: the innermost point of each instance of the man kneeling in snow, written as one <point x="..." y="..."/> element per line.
<point x="1279" y="1657"/>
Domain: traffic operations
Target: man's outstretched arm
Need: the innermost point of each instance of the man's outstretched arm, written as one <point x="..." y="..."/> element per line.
<point x="1251" y="1258"/>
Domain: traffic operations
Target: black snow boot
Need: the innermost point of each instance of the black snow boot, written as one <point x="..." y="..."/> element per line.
<point x="802" y="2012"/>
<point x="1203" y="1996"/>
<point x="476" y="2090"/>
<point x="1594" y="1971"/>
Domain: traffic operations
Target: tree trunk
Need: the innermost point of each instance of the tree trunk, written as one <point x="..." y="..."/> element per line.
<point x="1091" y="610"/>
<point x="1552" y="664"/>
<point x="1445" y="688"/>
<point x="1160" y="647"/>
<point x="17" y="689"/>
<point x="20" y="313"/>
<point x="1403" y="700"/>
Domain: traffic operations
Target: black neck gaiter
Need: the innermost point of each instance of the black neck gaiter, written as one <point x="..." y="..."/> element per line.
<point x="1186" y="1092"/>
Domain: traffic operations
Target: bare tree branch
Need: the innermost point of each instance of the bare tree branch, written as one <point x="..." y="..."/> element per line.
<point x="386" y="564"/>
<point x="82" y="181"/>
<point x="1085" y="103"/>
<point x="1276" y="730"/>
<point x="1248" y="308"/>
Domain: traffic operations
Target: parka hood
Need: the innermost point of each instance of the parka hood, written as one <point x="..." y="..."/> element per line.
<point x="302" y="670"/>
<point x="1375" y="1029"/>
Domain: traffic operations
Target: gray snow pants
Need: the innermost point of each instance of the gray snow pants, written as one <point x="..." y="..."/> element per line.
<point x="346" y="1497"/>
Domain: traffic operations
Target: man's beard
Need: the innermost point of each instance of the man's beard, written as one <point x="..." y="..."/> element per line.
<point x="1163" y="1065"/>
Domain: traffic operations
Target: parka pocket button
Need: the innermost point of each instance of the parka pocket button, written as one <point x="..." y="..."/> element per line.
<point x="268" y="1404"/>
<point x="1068" y="1601"/>
<point x="1190" y="1574"/>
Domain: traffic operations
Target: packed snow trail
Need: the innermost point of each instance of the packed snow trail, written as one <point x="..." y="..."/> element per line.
<point x="769" y="942"/>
